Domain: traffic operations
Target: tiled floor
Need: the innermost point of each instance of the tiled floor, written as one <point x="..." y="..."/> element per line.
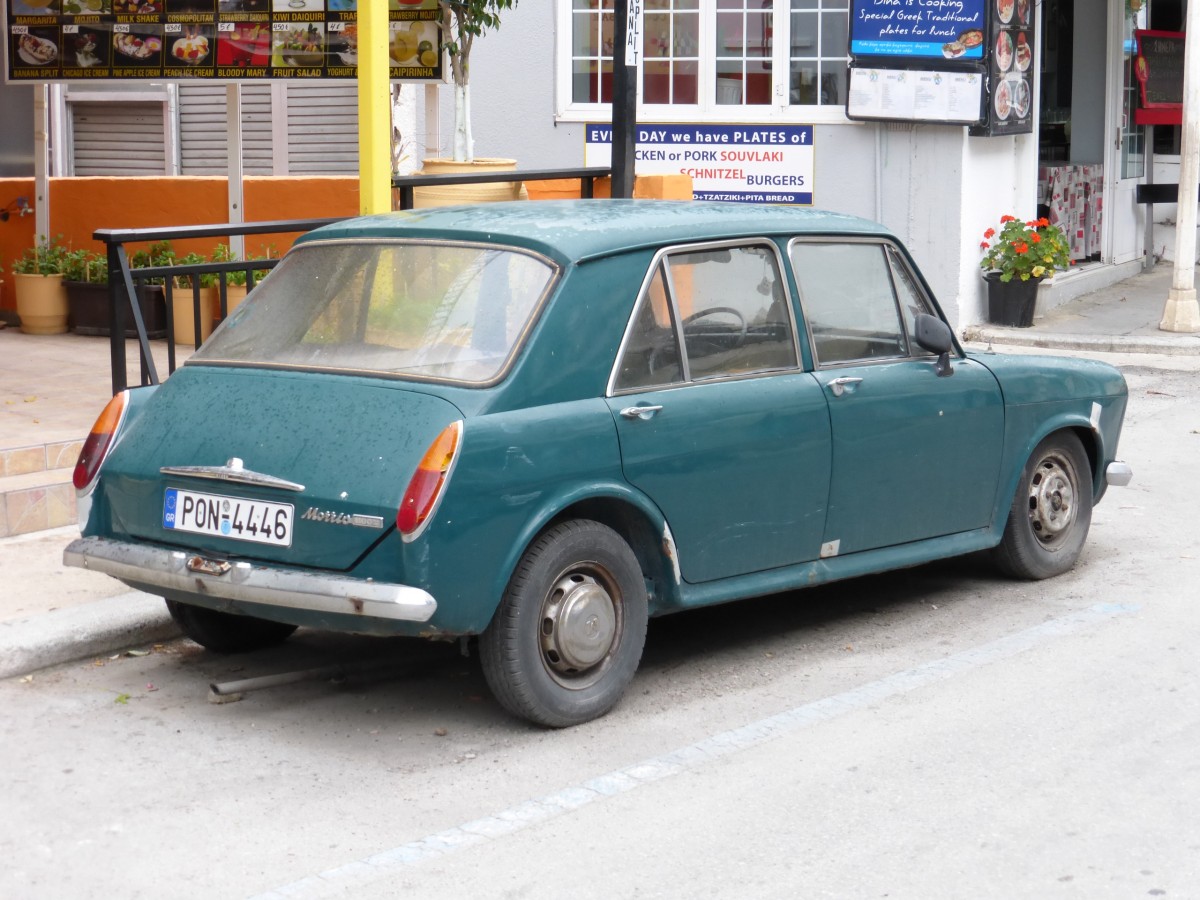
<point x="52" y="388"/>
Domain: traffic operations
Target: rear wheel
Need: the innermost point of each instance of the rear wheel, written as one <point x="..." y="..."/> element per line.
<point x="568" y="635"/>
<point x="225" y="632"/>
<point x="1051" y="512"/>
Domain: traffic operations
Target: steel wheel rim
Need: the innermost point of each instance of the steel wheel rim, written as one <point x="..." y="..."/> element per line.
<point x="1052" y="506"/>
<point x="580" y="626"/>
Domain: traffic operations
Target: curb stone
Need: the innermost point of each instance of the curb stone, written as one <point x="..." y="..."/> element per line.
<point x="100" y="628"/>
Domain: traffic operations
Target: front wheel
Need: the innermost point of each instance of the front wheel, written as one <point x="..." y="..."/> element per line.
<point x="568" y="635"/>
<point x="1051" y="512"/>
<point x="225" y="632"/>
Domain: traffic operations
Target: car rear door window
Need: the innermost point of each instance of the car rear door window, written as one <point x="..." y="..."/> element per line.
<point x="728" y="306"/>
<point x="848" y="300"/>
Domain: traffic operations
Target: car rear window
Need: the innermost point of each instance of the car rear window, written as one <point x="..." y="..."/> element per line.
<point x="444" y="311"/>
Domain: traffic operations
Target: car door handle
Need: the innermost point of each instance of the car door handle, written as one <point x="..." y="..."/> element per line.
<point x="640" y="412"/>
<point x="839" y="386"/>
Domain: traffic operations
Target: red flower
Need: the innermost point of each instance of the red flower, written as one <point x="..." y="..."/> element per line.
<point x="1036" y="238"/>
<point x="990" y="233"/>
<point x="1043" y="222"/>
<point x="1004" y="219"/>
<point x="1020" y="247"/>
<point x="983" y="245"/>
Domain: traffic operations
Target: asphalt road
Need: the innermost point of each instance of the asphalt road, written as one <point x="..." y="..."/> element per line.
<point x="934" y="733"/>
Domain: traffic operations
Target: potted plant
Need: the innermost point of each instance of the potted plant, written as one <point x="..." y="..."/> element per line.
<point x="462" y="22"/>
<point x="41" y="297"/>
<point x="85" y="276"/>
<point x="1015" y="260"/>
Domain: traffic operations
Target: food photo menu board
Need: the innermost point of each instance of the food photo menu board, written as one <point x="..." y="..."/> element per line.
<point x="141" y="40"/>
<point x="1010" y="69"/>
<point x="917" y="60"/>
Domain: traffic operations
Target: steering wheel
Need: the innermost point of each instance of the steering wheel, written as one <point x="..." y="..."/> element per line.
<point x="716" y="310"/>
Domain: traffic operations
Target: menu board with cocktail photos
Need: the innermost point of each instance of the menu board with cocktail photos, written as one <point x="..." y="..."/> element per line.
<point x="244" y="40"/>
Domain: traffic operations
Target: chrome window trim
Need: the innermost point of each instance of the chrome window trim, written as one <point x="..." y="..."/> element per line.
<point x="659" y="257"/>
<point x="889" y="248"/>
<point x="518" y="347"/>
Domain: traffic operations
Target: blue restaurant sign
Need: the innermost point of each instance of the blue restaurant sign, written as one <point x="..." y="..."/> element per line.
<point x="947" y="30"/>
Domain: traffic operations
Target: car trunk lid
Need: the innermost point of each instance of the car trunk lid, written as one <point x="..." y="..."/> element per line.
<point x="304" y="469"/>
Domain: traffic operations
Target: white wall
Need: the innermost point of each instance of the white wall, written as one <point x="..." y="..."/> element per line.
<point x="937" y="189"/>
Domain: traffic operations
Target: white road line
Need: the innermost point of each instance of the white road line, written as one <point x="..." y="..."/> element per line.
<point x="517" y="818"/>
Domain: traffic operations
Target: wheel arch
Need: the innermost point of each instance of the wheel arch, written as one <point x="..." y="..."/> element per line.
<point x="632" y="516"/>
<point x="1088" y="436"/>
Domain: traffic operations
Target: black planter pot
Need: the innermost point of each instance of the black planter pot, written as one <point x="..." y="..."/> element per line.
<point x="91" y="313"/>
<point x="1013" y="302"/>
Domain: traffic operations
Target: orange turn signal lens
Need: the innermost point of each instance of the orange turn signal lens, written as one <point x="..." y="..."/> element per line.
<point x="99" y="442"/>
<point x="428" y="481"/>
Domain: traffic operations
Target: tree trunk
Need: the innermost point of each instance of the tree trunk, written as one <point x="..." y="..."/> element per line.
<point x="464" y="141"/>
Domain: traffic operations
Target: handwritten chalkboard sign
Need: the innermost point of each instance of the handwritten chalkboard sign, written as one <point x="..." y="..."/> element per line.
<point x="1160" y="68"/>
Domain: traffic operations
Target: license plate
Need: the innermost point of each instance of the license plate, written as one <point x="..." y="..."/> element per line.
<point x="231" y="517"/>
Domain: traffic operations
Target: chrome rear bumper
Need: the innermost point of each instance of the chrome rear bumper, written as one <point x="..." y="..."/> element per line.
<point x="1118" y="473"/>
<point x="187" y="573"/>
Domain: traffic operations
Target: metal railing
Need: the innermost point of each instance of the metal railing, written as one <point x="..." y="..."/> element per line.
<point x="587" y="176"/>
<point x="123" y="282"/>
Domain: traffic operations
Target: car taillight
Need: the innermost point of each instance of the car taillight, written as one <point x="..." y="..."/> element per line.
<point x="427" y="482"/>
<point x="99" y="442"/>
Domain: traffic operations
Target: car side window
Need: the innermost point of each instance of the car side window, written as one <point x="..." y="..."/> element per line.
<point x="651" y="353"/>
<point x="912" y="300"/>
<point x="849" y="304"/>
<point x="731" y="306"/>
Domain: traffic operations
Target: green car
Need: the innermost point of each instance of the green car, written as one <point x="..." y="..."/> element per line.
<point x="543" y="423"/>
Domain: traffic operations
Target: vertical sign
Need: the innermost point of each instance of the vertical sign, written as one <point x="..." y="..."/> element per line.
<point x="1010" y="69"/>
<point x="633" y="35"/>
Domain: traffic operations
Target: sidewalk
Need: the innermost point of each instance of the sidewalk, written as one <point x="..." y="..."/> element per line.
<point x="1122" y="318"/>
<point x="53" y="388"/>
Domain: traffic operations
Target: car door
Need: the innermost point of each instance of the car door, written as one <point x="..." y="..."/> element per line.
<point x="915" y="454"/>
<point x="728" y="436"/>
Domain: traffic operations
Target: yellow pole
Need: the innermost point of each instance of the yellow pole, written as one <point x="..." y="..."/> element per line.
<point x="374" y="109"/>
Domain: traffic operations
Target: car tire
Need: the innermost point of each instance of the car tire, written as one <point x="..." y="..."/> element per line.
<point x="1051" y="512"/>
<point x="568" y="635"/>
<point x="226" y="632"/>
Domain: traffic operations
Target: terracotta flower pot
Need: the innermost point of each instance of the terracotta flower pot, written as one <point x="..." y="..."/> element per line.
<point x="454" y="194"/>
<point x="41" y="303"/>
<point x="183" y="310"/>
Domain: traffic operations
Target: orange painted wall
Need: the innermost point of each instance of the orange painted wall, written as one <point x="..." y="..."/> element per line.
<point x="79" y="206"/>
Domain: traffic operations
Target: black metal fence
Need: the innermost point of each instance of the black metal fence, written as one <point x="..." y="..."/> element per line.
<point x="124" y="280"/>
<point x="404" y="184"/>
<point x="123" y="283"/>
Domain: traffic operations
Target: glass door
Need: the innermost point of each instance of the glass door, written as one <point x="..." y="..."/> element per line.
<point x="1126" y="157"/>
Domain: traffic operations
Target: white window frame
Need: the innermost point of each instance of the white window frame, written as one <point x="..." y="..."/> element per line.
<point x="707" y="110"/>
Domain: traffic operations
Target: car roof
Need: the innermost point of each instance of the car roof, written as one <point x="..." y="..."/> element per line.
<point x="576" y="230"/>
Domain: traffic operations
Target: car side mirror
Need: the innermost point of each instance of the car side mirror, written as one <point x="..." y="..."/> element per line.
<point x="934" y="335"/>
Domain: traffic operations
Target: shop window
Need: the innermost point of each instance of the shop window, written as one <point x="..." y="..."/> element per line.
<point x="744" y="63"/>
<point x="711" y="55"/>
<point x="817" y="66"/>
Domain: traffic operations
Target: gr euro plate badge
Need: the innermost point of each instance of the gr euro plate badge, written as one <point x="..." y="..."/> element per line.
<point x="237" y="518"/>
